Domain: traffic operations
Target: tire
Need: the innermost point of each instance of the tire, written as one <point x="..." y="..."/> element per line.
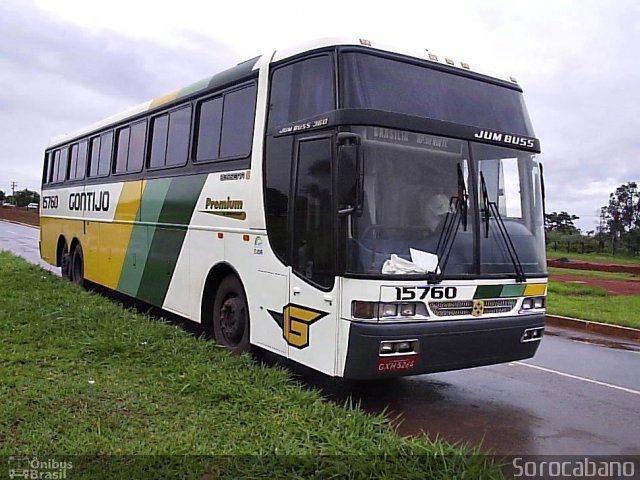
<point x="231" y="316"/>
<point x="65" y="262"/>
<point x="76" y="270"/>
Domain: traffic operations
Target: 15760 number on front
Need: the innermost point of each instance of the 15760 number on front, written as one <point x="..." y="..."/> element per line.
<point x="424" y="292"/>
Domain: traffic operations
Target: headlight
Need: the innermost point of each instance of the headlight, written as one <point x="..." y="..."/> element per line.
<point x="389" y="310"/>
<point x="531" y="303"/>
<point x="408" y="309"/>
<point x="377" y="310"/>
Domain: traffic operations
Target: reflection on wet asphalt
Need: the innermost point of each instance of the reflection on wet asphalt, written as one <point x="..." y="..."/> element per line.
<point x="583" y="397"/>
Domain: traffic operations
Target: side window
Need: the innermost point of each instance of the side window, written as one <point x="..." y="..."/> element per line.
<point x="122" y="149"/>
<point x="313" y="234"/>
<point x="95" y="155"/>
<point x="53" y="176"/>
<point x="170" y="138"/>
<point x="106" y="147"/>
<point x="209" y="128"/>
<point x="73" y="164"/>
<point x="159" y="141"/>
<point x="130" y="147"/>
<point x="46" y="168"/>
<point x="178" y="141"/>
<point x="225" y="125"/>
<point x="136" y="146"/>
<point x="301" y="90"/>
<point x="237" y="122"/>
<point x="63" y="165"/>
<point x="81" y="166"/>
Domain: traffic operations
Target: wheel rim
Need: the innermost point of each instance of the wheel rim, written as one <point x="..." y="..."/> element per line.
<point x="232" y="320"/>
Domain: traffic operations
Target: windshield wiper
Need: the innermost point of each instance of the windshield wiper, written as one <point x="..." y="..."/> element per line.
<point x="450" y="228"/>
<point x="491" y="208"/>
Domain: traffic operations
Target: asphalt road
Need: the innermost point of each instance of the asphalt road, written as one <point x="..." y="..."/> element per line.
<point x="580" y="394"/>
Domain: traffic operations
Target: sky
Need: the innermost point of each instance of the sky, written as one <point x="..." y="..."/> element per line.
<point x="65" y="64"/>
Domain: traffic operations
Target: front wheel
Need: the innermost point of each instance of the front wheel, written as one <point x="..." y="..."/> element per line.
<point x="231" y="316"/>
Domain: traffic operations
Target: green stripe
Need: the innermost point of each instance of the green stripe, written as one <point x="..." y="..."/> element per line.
<point x="153" y="198"/>
<point x="513" y="290"/>
<point x="167" y="239"/>
<point x="488" y="291"/>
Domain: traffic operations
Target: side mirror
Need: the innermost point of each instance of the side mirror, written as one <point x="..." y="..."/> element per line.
<point x="349" y="170"/>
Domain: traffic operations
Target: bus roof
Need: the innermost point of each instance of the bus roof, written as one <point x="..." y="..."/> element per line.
<point x="243" y="69"/>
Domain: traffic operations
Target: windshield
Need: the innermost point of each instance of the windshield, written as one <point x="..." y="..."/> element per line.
<point x="414" y="185"/>
<point x="426" y="92"/>
<point x="513" y="186"/>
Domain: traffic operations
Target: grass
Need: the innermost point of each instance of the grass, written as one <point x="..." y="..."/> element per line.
<point x="594" y="257"/>
<point x="593" y="303"/>
<point x="593" y="274"/>
<point x="140" y="398"/>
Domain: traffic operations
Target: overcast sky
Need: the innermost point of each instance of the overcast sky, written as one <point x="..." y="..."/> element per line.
<point x="65" y="64"/>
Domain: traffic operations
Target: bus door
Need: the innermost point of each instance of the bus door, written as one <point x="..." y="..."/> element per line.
<point x="310" y="318"/>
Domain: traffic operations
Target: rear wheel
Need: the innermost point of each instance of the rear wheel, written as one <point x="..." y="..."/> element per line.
<point x="77" y="266"/>
<point x="231" y="316"/>
<point x="65" y="262"/>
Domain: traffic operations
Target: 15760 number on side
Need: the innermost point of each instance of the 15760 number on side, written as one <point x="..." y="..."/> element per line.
<point x="423" y="292"/>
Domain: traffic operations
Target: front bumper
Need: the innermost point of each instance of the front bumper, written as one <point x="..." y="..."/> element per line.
<point x="441" y="346"/>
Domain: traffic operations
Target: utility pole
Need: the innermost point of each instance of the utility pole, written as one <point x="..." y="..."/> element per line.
<point x="13" y="192"/>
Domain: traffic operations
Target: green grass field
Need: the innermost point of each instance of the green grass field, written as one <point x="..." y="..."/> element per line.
<point x="593" y="274"/>
<point x="593" y="303"/>
<point x="83" y="376"/>
<point x="594" y="257"/>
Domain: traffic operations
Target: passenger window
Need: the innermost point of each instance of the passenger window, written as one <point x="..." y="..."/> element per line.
<point x="54" y="168"/>
<point x="209" y="128"/>
<point x="159" y="141"/>
<point x="81" y="164"/>
<point x="301" y="90"/>
<point x="106" y="147"/>
<point x="130" y="148"/>
<point x="122" y="150"/>
<point x="170" y="138"/>
<point x="95" y="156"/>
<point x="237" y="122"/>
<point x="74" y="161"/>
<point x="63" y="165"/>
<point x="178" y="141"/>
<point x="136" y="146"/>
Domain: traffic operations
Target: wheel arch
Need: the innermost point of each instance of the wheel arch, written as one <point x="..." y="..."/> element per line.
<point x="74" y="243"/>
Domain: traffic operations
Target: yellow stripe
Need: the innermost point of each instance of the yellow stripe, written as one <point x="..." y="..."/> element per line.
<point x="535" y="289"/>
<point x="114" y="237"/>
<point x="156" y="102"/>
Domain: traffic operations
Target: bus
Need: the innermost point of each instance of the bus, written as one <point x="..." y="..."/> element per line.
<point x="363" y="210"/>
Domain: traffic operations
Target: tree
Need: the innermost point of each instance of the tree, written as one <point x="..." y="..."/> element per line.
<point x="1" y="196"/>
<point x="25" y="197"/>
<point x="561" y="222"/>
<point x="623" y="216"/>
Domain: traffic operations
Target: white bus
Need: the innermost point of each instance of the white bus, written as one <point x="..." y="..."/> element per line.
<point x="364" y="211"/>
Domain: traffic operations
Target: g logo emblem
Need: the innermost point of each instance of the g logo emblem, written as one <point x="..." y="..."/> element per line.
<point x="295" y="322"/>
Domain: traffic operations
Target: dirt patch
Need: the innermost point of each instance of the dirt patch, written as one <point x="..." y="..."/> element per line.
<point x="21" y="215"/>
<point x="614" y="287"/>
<point x="598" y="267"/>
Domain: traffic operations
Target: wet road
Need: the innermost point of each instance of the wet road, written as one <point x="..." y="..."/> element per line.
<point x="23" y="240"/>
<point x="580" y="394"/>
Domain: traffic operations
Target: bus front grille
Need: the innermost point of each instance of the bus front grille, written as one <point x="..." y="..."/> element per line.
<point x="465" y="307"/>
